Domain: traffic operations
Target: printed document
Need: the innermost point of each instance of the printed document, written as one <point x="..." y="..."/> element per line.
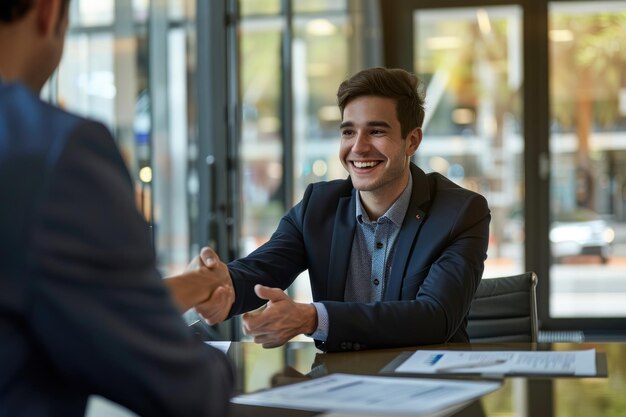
<point x="372" y="395"/>
<point x="574" y="363"/>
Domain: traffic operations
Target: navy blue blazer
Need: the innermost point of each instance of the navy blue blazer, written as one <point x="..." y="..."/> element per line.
<point x="82" y="308"/>
<point x="437" y="265"/>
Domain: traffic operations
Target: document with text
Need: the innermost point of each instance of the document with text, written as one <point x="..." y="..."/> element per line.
<point x="573" y="363"/>
<point x="371" y="395"/>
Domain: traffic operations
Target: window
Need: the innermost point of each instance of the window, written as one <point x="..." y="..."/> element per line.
<point x="470" y="62"/>
<point x="109" y="73"/>
<point x="588" y="148"/>
<point x="539" y="85"/>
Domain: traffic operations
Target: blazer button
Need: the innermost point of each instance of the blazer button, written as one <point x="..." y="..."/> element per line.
<point x="342" y="345"/>
<point x="356" y="346"/>
<point x="349" y="345"/>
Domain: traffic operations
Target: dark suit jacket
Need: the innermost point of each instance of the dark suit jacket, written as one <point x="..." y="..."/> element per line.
<point x="82" y="308"/>
<point x="438" y="262"/>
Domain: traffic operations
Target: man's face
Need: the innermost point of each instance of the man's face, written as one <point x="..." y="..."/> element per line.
<point x="373" y="150"/>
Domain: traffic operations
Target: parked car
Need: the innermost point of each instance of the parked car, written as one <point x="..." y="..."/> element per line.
<point x="580" y="232"/>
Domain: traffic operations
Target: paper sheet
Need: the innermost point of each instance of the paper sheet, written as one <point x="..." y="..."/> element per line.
<point x="575" y="363"/>
<point x="440" y="413"/>
<point x="223" y="346"/>
<point x="372" y="395"/>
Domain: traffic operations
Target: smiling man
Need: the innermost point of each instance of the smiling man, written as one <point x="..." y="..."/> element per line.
<point x="394" y="255"/>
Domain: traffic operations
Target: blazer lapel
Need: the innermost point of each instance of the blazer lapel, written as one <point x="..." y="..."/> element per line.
<point x="413" y="220"/>
<point x="341" y="247"/>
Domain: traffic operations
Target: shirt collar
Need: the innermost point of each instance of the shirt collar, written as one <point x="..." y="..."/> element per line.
<point x="395" y="213"/>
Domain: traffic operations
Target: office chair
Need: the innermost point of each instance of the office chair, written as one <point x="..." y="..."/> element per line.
<point x="504" y="310"/>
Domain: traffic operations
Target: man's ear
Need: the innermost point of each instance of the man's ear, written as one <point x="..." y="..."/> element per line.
<point x="414" y="138"/>
<point x="47" y="15"/>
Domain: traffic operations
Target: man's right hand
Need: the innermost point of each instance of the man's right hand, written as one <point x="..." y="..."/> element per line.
<point x="216" y="308"/>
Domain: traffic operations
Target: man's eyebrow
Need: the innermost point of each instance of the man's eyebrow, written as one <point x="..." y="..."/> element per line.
<point x="374" y="123"/>
<point x="378" y="123"/>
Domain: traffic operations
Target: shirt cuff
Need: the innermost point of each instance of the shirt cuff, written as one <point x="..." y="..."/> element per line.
<point x="321" y="333"/>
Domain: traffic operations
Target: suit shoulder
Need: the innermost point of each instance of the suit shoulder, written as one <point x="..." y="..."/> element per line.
<point x="16" y="99"/>
<point x="443" y="184"/>
<point x="324" y="196"/>
<point x="27" y="116"/>
<point x="445" y="191"/>
<point x="33" y="129"/>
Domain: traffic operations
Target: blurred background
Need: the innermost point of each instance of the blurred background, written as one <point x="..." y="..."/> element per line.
<point x="225" y="110"/>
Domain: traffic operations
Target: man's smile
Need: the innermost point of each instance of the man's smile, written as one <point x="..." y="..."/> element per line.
<point x="365" y="164"/>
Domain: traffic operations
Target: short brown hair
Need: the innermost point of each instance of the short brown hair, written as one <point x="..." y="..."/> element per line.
<point x="394" y="83"/>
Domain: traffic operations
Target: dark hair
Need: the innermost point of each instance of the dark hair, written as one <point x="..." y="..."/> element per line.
<point x="12" y="10"/>
<point x="394" y="83"/>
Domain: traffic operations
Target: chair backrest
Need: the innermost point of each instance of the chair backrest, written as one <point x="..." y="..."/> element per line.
<point x="504" y="310"/>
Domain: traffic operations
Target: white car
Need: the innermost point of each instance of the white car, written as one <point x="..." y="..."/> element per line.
<point x="580" y="232"/>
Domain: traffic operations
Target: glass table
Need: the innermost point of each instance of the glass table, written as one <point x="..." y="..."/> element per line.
<point x="258" y="368"/>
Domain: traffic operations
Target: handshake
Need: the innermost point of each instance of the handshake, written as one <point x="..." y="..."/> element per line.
<point x="208" y="286"/>
<point x="205" y="285"/>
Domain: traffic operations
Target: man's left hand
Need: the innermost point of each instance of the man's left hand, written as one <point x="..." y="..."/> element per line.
<point x="280" y="319"/>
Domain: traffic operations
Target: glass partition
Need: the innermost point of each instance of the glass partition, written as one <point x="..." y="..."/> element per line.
<point x="470" y="60"/>
<point x="325" y="6"/>
<point x="110" y="73"/>
<point x="588" y="159"/>
<point x="321" y="50"/>
<point x="259" y="7"/>
<point x="261" y="148"/>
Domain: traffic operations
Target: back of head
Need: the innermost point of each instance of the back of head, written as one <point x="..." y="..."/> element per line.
<point x="32" y="34"/>
<point x="393" y="83"/>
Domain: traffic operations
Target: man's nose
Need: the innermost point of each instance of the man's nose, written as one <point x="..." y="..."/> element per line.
<point x="361" y="143"/>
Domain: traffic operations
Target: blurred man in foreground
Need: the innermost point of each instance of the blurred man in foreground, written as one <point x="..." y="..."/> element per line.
<point x="83" y="309"/>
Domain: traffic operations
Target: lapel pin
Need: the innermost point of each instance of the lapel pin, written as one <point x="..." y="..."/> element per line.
<point x="417" y="216"/>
